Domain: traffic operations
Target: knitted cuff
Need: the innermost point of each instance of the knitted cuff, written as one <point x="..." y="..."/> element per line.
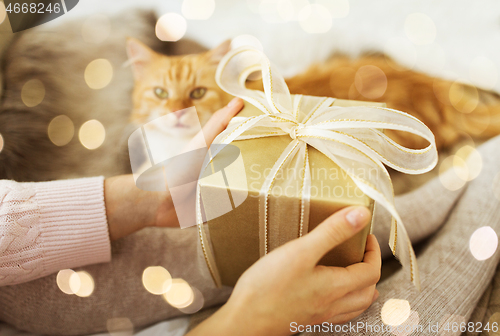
<point x="74" y="228"/>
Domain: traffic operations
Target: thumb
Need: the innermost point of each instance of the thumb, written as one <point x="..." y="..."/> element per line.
<point x="334" y="230"/>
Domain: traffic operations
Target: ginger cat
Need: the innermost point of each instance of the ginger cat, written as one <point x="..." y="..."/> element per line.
<point x="165" y="84"/>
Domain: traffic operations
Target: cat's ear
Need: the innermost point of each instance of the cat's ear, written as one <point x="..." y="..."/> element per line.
<point x="139" y="55"/>
<point x="216" y="54"/>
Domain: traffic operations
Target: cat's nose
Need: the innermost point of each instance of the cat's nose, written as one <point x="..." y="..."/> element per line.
<point x="180" y="113"/>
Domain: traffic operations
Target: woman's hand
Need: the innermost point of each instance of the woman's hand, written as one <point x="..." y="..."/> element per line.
<point x="130" y="209"/>
<point x="287" y="286"/>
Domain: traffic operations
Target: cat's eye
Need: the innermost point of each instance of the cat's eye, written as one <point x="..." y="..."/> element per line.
<point x="161" y="93"/>
<point x="198" y="93"/>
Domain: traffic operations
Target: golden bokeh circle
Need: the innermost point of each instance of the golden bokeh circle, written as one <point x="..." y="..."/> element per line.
<point x="315" y="19"/>
<point x="180" y="294"/>
<point x="197" y="303"/>
<point x="63" y="281"/>
<point x="370" y="81"/>
<point x="198" y="9"/>
<point x="472" y="159"/>
<point x="82" y="284"/>
<point x="61" y="130"/>
<point x="74" y="282"/>
<point x="1" y="143"/>
<point x="96" y="29"/>
<point x="453" y="173"/>
<point x="463" y="96"/>
<point x="337" y="8"/>
<point x="92" y="134"/>
<point x="483" y="243"/>
<point x="157" y="280"/>
<point x="33" y="92"/>
<point x="170" y="27"/>
<point x="395" y="312"/>
<point x="98" y="73"/>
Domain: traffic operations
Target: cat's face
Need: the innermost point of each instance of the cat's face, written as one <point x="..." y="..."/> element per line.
<point x="167" y="85"/>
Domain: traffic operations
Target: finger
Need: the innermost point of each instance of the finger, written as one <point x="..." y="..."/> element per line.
<point x="353" y="301"/>
<point x="356" y="276"/>
<point x="371" y="264"/>
<point x="346" y="315"/>
<point x="333" y="231"/>
<point x="219" y="121"/>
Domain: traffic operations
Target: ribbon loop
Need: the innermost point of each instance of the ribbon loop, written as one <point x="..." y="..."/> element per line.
<point x="349" y="136"/>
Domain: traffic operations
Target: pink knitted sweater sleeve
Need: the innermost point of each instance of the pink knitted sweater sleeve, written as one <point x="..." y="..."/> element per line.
<point x="49" y="226"/>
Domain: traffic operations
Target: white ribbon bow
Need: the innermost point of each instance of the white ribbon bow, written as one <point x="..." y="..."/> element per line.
<point x="349" y="136"/>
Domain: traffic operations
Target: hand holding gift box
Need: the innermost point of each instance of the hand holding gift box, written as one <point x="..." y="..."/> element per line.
<point x="283" y="138"/>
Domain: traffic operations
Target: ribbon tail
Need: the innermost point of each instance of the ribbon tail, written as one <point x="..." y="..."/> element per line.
<point x="399" y="242"/>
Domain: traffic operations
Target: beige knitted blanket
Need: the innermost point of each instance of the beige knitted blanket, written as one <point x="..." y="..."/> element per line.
<point x="456" y="287"/>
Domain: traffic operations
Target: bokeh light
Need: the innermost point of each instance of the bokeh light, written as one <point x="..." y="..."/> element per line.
<point x="96" y="29"/>
<point x="395" y="312"/>
<point x="98" y="73"/>
<point x="472" y="159"/>
<point x="402" y="50"/>
<point x="246" y="40"/>
<point x="338" y="8"/>
<point x="483" y="243"/>
<point x="180" y="294"/>
<point x="315" y="19"/>
<point x="63" y="281"/>
<point x="276" y="11"/>
<point x="453" y="173"/>
<point x="370" y="81"/>
<point x="409" y="326"/>
<point x="483" y="72"/>
<point x="496" y="186"/>
<point x="420" y="29"/>
<point x="92" y="134"/>
<point x="196" y="304"/>
<point x="1" y="142"/>
<point x="198" y="9"/>
<point x="463" y="96"/>
<point x="33" y="92"/>
<point x="170" y="27"/>
<point x="81" y="284"/>
<point x="157" y="280"/>
<point x="3" y="12"/>
<point x="61" y="130"/>
<point x="120" y="326"/>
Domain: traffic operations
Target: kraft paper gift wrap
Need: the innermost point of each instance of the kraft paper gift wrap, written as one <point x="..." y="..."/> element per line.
<point x="235" y="235"/>
<point x="287" y="162"/>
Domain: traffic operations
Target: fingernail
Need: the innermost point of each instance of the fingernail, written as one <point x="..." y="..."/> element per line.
<point x="357" y="217"/>
<point x="234" y="102"/>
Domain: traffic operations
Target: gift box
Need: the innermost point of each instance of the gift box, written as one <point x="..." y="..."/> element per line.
<point x="235" y="234"/>
<point x="287" y="162"/>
